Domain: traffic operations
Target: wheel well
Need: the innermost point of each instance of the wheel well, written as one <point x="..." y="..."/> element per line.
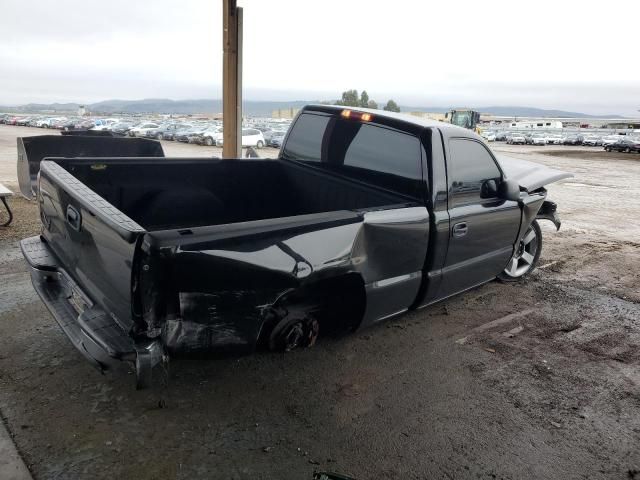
<point x="338" y="303"/>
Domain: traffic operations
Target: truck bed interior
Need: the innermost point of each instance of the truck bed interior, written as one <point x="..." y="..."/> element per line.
<point x="168" y="194"/>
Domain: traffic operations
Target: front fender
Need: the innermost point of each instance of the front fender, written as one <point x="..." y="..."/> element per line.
<point x="548" y="212"/>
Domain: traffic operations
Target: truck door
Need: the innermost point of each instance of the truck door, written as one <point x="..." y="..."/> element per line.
<point x="483" y="227"/>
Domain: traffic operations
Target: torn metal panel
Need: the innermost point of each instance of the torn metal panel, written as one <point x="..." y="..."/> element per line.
<point x="227" y="320"/>
<point x="222" y="288"/>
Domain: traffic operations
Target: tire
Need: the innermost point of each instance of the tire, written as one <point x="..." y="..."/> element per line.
<point x="527" y="255"/>
<point x="159" y="136"/>
<point x="260" y="144"/>
<point x="627" y="150"/>
<point x="208" y="141"/>
<point x="608" y="149"/>
<point x="295" y="330"/>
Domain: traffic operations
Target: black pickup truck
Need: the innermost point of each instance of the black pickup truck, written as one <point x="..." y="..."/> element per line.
<point x="364" y="215"/>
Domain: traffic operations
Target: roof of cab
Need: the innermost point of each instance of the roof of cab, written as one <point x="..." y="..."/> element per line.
<point x="403" y="117"/>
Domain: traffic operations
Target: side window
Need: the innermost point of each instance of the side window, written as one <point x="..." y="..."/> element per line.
<point x="471" y="169"/>
<point x="305" y="140"/>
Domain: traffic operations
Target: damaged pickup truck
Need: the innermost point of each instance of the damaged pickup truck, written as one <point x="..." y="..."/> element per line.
<point x="364" y="215"/>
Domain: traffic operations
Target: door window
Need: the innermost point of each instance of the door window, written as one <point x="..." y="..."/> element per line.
<point x="471" y="172"/>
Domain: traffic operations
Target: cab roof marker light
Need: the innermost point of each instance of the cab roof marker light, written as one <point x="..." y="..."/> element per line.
<point x="346" y="113"/>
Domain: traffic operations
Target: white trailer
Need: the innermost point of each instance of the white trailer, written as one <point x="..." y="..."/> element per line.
<point x="536" y="125"/>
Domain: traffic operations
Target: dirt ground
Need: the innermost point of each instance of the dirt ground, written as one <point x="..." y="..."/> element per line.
<point x="539" y="379"/>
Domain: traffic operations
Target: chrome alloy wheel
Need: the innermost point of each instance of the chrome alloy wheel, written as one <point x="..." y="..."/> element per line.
<point x="526" y="256"/>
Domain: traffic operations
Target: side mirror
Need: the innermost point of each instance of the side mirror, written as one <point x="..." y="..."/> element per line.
<point x="489" y="189"/>
<point x="509" y="190"/>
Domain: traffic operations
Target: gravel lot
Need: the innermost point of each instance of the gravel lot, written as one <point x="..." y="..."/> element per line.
<point x="533" y="380"/>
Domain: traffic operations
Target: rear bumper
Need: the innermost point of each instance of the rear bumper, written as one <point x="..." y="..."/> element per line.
<point x="92" y="331"/>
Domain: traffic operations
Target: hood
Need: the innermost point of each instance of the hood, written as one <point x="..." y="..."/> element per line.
<point x="530" y="175"/>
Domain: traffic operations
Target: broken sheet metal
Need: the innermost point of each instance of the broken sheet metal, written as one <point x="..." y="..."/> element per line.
<point x="225" y="289"/>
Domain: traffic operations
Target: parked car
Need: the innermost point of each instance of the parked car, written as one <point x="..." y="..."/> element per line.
<point x="489" y="136"/>
<point x="105" y="124"/>
<point x="208" y="255"/>
<point x="121" y="128"/>
<point x="196" y="136"/>
<point x="68" y="124"/>
<point x="554" y="139"/>
<point x="267" y="133"/>
<point x="190" y="135"/>
<point x="58" y="123"/>
<point x="172" y="134"/>
<point x="210" y="136"/>
<point x="164" y="130"/>
<point x="49" y="122"/>
<point x="251" y="137"/>
<point x="501" y="137"/>
<point x="592" y="141"/>
<point x="141" y="129"/>
<point x="624" y="145"/>
<point x="611" y="139"/>
<point x="573" y="140"/>
<point x="538" y="139"/>
<point x="23" y="121"/>
<point x="277" y="138"/>
<point x="516" y="139"/>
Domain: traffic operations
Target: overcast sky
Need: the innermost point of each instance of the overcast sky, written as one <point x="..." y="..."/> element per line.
<point x="569" y="55"/>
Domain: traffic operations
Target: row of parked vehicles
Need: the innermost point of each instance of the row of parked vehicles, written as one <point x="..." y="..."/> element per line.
<point x="206" y="133"/>
<point x="622" y="143"/>
<point x="258" y="134"/>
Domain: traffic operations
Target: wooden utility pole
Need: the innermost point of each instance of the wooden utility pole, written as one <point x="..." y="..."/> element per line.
<point x="231" y="79"/>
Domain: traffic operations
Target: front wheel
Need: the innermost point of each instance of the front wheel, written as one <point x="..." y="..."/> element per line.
<point x="260" y="144"/>
<point x="526" y="257"/>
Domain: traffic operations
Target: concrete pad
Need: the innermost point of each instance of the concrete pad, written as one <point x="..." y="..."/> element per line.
<point x="11" y="465"/>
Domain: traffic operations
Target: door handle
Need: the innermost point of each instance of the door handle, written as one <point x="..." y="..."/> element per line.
<point x="460" y="229"/>
<point x="74" y="219"/>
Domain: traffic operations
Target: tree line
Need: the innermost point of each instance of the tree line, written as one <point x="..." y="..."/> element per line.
<point x="350" y="98"/>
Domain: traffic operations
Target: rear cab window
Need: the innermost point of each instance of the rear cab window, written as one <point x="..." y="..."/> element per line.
<point x="363" y="151"/>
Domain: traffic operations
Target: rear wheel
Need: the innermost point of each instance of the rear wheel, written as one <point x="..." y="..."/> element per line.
<point x="296" y="329"/>
<point x="526" y="257"/>
<point x="159" y="136"/>
<point x="260" y="144"/>
<point x="208" y="141"/>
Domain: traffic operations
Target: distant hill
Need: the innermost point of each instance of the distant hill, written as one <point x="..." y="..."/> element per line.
<point x="514" y="112"/>
<point x="257" y="108"/>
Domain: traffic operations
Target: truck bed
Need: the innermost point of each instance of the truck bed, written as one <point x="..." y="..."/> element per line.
<point x="191" y="250"/>
<point x="182" y="193"/>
